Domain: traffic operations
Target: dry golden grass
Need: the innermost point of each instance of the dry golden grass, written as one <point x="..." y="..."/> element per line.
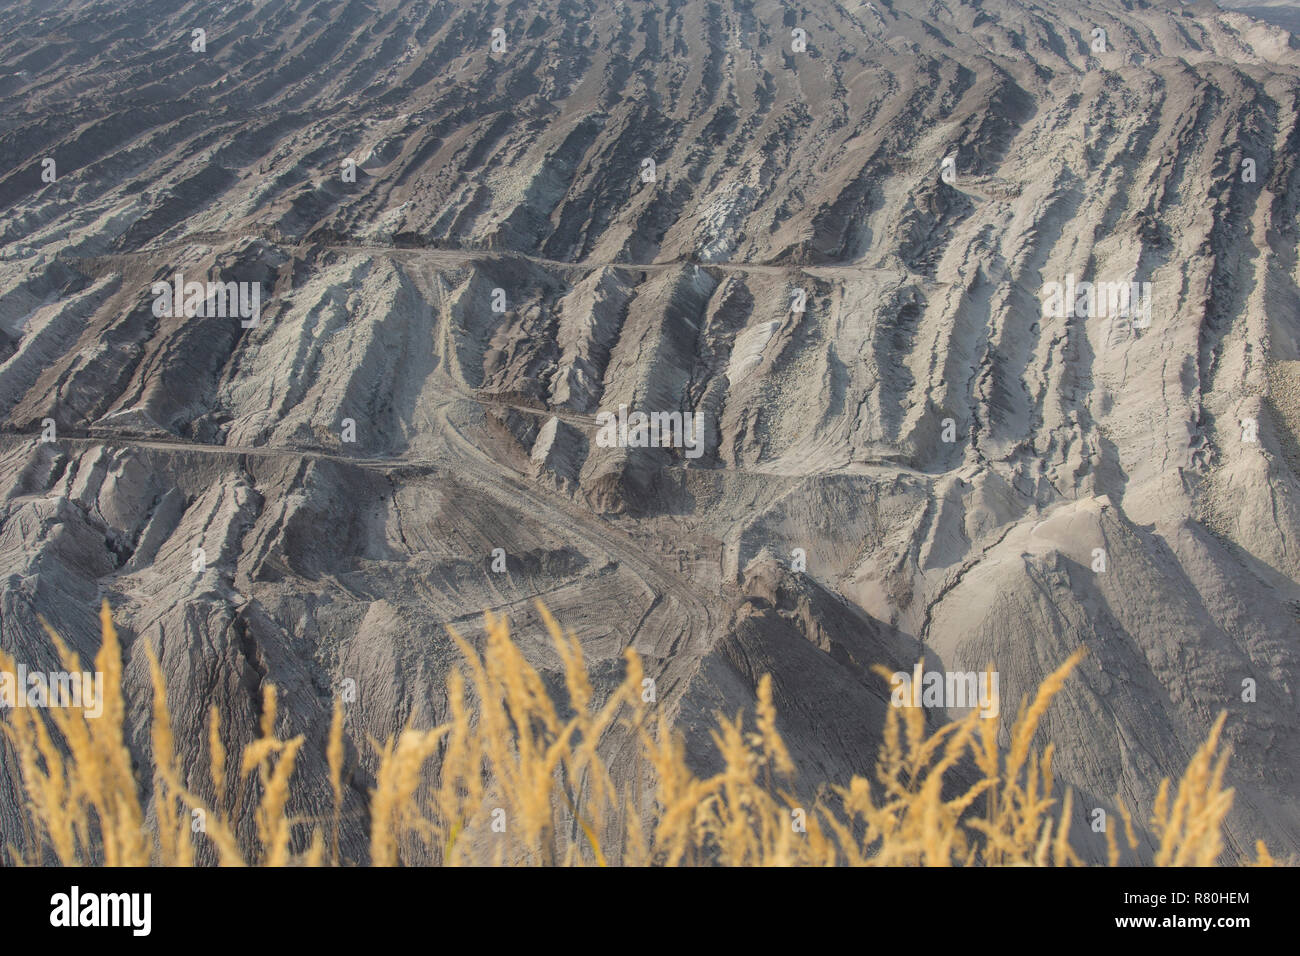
<point x="514" y="778"/>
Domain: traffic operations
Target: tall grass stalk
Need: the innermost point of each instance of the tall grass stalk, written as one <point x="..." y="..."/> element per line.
<point x="516" y="777"/>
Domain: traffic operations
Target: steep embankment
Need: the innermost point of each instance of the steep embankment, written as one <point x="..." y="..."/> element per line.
<point x="466" y="253"/>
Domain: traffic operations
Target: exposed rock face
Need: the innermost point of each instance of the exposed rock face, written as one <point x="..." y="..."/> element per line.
<point x="969" y="477"/>
<point x="1285" y="13"/>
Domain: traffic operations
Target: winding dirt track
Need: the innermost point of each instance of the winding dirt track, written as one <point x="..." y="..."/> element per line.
<point x="676" y="601"/>
<point x="459" y="258"/>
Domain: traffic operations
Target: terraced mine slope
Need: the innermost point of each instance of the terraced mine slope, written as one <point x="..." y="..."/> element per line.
<point x="465" y="253"/>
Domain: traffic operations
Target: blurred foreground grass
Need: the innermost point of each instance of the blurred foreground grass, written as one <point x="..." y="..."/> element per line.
<point x="512" y="778"/>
